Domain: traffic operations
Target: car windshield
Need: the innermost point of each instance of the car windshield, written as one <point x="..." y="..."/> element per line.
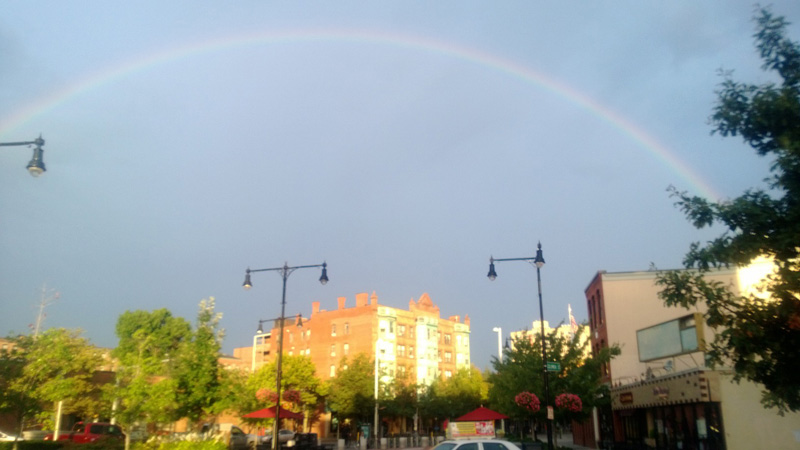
<point x="445" y="446"/>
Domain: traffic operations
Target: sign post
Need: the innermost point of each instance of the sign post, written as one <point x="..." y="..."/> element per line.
<point x="553" y="366"/>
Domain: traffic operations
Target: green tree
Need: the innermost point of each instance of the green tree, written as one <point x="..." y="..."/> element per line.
<point x="15" y="400"/>
<point x="521" y="370"/>
<point x="398" y="399"/>
<point x="198" y="376"/>
<point x="352" y="390"/>
<point x="301" y="389"/>
<point x="758" y="337"/>
<point x="59" y="367"/>
<point x="449" y="398"/>
<point x="148" y="342"/>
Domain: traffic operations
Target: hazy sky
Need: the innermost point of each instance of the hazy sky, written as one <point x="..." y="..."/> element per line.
<point x="403" y="142"/>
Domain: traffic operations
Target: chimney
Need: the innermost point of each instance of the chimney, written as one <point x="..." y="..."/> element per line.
<point x="314" y="308"/>
<point x="466" y="319"/>
<point x="373" y="299"/>
<point x="362" y="299"/>
<point x="341" y="301"/>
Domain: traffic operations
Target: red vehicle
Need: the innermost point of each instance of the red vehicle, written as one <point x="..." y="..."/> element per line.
<point x="90" y="432"/>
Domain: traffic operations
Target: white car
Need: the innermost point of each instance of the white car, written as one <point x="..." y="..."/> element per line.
<point x="476" y="444"/>
<point x="8" y="437"/>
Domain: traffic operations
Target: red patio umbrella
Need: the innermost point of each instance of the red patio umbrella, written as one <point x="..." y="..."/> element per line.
<point x="479" y="415"/>
<point x="269" y="413"/>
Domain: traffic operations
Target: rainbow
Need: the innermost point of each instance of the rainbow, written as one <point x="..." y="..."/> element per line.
<point x="627" y="128"/>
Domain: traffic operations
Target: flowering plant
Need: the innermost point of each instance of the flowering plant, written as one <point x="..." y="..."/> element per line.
<point x="264" y="395"/>
<point x="527" y="400"/>
<point x="291" y="395"/>
<point x="570" y="402"/>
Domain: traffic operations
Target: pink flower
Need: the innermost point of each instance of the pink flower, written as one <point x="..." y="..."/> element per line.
<point x="264" y="395"/>
<point x="528" y="401"/>
<point x="570" y="402"/>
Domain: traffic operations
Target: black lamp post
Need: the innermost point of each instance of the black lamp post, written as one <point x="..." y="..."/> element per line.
<point x="36" y="165"/>
<point x="284" y="271"/>
<point x="537" y="261"/>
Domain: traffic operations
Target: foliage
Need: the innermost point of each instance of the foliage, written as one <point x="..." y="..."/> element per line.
<point x="398" y="399"/>
<point x="452" y="397"/>
<point x="758" y="337"/>
<point x="352" y="390"/>
<point x="527" y="401"/>
<point x="199" y="378"/>
<point x="301" y="389"/>
<point x="59" y="366"/>
<point x="209" y="444"/>
<point x="15" y="400"/>
<point x="522" y="367"/>
<point x="148" y="342"/>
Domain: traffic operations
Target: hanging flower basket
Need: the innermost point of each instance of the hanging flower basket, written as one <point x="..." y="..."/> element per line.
<point x="570" y="402"/>
<point x="264" y="395"/>
<point x="528" y="401"/>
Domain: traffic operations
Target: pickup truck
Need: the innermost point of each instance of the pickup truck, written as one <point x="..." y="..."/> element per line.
<point x="90" y="432"/>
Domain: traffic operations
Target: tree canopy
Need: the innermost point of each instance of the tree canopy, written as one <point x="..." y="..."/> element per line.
<point x="352" y="390"/>
<point x="521" y="370"/>
<point x="758" y="336"/>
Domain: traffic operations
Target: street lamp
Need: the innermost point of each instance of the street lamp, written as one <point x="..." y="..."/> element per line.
<point x="260" y="334"/>
<point x="499" y="332"/>
<point x="36" y="165"/>
<point x="537" y="261"/>
<point x="284" y="271"/>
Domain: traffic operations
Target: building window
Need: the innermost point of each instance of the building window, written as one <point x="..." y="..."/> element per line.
<point x="448" y="374"/>
<point x="333" y="350"/>
<point x="458" y="340"/>
<point x="447" y="338"/>
<point x="411" y="332"/>
<point x="346" y="349"/>
<point x="401" y="370"/>
<point x="448" y="357"/>
<point x="347" y="328"/>
<point x="401" y="330"/>
<point x="333" y="329"/>
<point x="391" y="327"/>
<point x="401" y="350"/>
<point x="439" y="358"/>
<point x="599" y="308"/>
<point x="333" y="371"/>
<point x="411" y="351"/>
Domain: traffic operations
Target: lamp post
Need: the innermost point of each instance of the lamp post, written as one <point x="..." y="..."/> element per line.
<point x="284" y="271"/>
<point x="261" y="334"/>
<point x="499" y="332"/>
<point x="36" y="165"/>
<point x="537" y="261"/>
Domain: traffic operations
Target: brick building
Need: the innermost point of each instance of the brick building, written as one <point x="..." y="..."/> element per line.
<point x="416" y="344"/>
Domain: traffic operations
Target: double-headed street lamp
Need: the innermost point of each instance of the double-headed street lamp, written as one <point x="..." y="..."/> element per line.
<point x="537" y="261"/>
<point x="284" y="271"/>
<point x="260" y="333"/>
<point x="36" y="165"/>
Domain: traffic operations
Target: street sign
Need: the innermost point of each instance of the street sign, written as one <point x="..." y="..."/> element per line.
<point x="553" y="367"/>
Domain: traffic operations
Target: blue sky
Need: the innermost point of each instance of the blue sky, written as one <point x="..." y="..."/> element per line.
<point x="402" y="142"/>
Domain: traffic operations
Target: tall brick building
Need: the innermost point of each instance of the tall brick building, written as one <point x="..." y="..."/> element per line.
<point x="416" y="343"/>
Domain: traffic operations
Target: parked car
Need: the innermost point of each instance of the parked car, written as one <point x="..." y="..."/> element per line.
<point x="284" y="436"/>
<point x="238" y="440"/>
<point x="9" y="437"/>
<point x="90" y="432"/>
<point x="476" y="444"/>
